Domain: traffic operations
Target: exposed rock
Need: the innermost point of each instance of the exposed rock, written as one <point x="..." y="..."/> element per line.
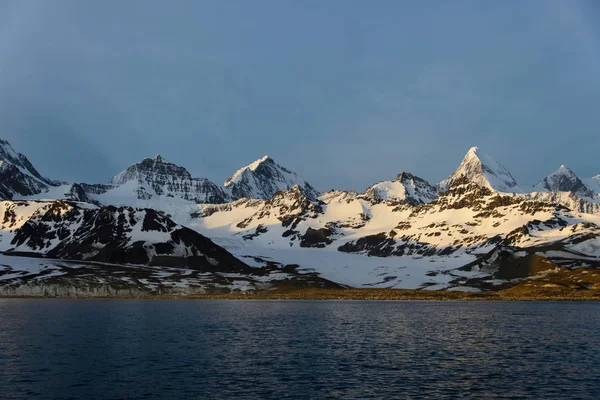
<point x="316" y="237"/>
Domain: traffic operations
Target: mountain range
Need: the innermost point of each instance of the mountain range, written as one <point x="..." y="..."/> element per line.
<point x="265" y="225"/>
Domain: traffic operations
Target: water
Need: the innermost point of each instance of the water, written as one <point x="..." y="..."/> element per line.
<point x="129" y="349"/>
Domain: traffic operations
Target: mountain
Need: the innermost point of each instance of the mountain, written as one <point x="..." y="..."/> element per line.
<point x="565" y="188"/>
<point x="155" y="180"/>
<point x="564" y="180"/>
<point x="482" y="169"/>
<point x="69" y="230"/>
<point x="103" y="251"/>
<point x="267" y="226"/>
<point x="406" y="188"/>
<point x="18" y="177"/>
<point x="354" y="241"/>
<point x="263" y="178"/>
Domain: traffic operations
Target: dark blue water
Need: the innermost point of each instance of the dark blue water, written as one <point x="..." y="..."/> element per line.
<point x="128" y="349"/>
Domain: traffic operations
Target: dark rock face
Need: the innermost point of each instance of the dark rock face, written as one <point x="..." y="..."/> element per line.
<point x="316" y="238"/>
<point x="122" y="235"/>
<point x="386" y="245"/>
<point x="374" y="245"/>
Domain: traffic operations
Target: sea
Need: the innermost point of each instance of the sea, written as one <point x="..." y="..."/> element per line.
<point x="237" y="349"/>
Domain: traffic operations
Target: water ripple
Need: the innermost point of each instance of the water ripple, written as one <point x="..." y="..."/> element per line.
<point x="132" y="349"/>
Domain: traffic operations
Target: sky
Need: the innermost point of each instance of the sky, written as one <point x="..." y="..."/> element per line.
<point x="344" y="92"/>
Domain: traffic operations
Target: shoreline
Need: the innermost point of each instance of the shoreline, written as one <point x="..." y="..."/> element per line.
<point x="361" y="295"/>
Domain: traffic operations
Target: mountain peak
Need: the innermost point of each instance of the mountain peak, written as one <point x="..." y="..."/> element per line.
<point x="480" y="168"/>
<point x="156" y="177"/>
<point x="403" y="176"/>
<point x="564" y="180"/>
<point x="18" y="177"/>
<point x="263" y="178"/>
<point x="252" y="167"/>
<point x="406" y="188"/>
<point x="148" y="167"/>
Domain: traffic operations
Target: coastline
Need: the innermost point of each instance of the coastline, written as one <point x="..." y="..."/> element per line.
<point x="349" y="294"/>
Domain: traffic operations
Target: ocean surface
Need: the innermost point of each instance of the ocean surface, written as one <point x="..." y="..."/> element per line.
<point x="202" y="349"/>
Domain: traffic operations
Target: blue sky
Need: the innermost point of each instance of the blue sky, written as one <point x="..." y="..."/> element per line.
<point x="346" y="93"/>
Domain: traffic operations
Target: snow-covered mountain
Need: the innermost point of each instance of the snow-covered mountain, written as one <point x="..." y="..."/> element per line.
<point x="263" y="178"/>
<point x="565" y="188"/>
<point x="154" y="178"/>
<point x="352" y="240"/>
<point x="120" y="251"/>
<point x="76" y="231"/>
<point x="564" y="180"/>
<point x="483" y="170"/>
<point x="406" y="188"/>
<point x="18" y="177"/>
<point x="399" y="233"/>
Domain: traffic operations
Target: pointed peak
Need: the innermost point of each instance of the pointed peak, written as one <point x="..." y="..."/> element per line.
<point x="475" y="154"/>
<point x="250" y="167"/>
<point x="564" y="169"/>
<point x="264" y="177"/>
<point x="408" y="178"/>
<point x="564" y="180"/>
<point x="480" y="168"/>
